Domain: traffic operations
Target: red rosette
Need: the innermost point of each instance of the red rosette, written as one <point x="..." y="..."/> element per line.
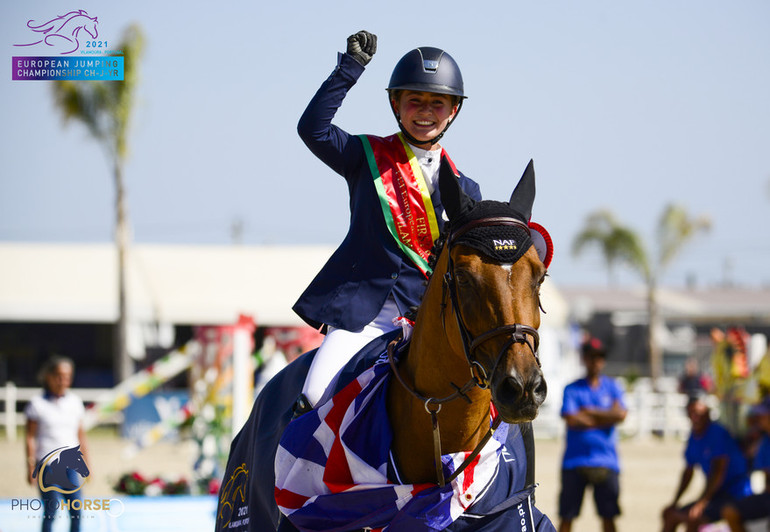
<point x="542" y="242"/>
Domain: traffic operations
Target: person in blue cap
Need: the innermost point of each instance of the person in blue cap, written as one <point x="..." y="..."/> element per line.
<point x="756" y="506"/>
<point x="379" y="270"/>
<point x="592" y="407"/>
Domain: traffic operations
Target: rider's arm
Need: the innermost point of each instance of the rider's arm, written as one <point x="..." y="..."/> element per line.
<point x="327" y="141"/>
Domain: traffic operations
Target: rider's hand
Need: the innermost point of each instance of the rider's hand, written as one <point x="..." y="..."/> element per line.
<point x="362" y="46"/>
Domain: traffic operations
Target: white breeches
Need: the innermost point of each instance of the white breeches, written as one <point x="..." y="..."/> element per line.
<point x="339" y="346"/>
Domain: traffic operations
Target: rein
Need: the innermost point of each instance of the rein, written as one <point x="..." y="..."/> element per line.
<point x="519" y="333"/>
<point x="428" y="401"/>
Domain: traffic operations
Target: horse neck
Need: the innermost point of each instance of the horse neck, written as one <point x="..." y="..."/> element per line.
<point x="433" y="365"/>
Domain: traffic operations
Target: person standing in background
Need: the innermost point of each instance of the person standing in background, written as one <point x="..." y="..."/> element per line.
<point x="55" y="420"/>
<point x="592" y="407"/>
<point x="692" y="381"/>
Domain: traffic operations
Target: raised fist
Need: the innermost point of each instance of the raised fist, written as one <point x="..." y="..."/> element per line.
<point x="362" y="46"/>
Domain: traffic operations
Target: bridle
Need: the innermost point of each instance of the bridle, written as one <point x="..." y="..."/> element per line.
<point x="517" y="332"/>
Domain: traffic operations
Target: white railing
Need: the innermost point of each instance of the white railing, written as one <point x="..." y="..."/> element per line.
<point x="11" y="396"/>
<point x="650" y="413"/>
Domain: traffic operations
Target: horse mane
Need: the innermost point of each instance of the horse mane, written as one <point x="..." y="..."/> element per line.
<point x="47" y="26"/>
<point x="480" y="209"/>
<point x="435" y="251"/>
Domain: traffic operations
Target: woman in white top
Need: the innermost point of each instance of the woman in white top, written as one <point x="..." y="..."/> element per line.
<point x="55" y="421"/>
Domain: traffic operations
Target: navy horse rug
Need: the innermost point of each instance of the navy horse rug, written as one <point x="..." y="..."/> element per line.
<point x="332" y="469"/>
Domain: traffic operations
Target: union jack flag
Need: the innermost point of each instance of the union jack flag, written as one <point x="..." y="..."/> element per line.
<point x="334" y="469"/>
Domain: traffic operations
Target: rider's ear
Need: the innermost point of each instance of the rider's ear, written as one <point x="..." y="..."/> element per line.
<point x="454" y="199"/>
<point x="524" y="194"/>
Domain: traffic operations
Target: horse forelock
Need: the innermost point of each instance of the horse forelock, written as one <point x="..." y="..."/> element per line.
<point x="499" y="242"/>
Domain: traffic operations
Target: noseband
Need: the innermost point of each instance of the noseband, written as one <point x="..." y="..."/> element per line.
<point x="516" y="333"/>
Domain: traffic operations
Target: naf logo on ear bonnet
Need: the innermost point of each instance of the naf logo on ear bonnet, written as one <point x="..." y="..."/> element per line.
<point x="504" y="243"/>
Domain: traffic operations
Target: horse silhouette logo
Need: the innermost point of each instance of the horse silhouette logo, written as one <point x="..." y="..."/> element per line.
<point x="232" y="495"/>
<point x="62" y="470"/>
<point x="63" y="32"/>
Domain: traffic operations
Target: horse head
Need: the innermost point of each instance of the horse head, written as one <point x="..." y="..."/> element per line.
<point x="54" y="467"/>
<point x="72" y="458"/>
<point x="491" y="276"/>
<point x="86" y="23"/>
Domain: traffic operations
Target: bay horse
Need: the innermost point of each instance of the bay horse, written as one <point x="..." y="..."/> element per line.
<point x="470" y="363"/>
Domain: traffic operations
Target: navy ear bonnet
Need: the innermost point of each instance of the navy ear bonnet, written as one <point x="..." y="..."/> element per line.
<point x="501" y="243"/>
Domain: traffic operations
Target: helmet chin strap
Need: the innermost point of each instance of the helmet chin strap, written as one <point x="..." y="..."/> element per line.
<point x="432" y="141"/>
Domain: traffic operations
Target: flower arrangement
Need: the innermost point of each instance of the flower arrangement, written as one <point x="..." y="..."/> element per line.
<point x="136" y="484"/>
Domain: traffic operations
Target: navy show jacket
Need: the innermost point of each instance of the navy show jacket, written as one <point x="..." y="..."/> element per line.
<point x="368" y="266"/>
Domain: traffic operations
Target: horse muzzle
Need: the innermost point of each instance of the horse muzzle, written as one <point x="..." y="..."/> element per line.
<point x="518" y="398"/>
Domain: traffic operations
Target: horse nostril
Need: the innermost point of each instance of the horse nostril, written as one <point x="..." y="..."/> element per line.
<point x="539" y="388"/>
<point x="509" y="391"/>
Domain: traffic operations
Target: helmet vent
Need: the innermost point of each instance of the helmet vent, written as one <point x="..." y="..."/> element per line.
<point x="430" y="65"/>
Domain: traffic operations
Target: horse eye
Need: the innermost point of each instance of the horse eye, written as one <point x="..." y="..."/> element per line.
<point x="539" y="300"/>
<point x="463" y="279"/>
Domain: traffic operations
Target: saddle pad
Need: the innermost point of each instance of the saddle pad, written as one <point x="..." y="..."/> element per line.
<point x="331" y="468"/>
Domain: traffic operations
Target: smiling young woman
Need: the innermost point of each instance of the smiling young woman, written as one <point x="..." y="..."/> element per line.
<point x="424" y="115"/>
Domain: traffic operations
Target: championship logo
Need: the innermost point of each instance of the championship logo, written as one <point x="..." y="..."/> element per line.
<point x="62" y="470"/>
<point x="67" y="47"/>
<point x="233" y="510"/>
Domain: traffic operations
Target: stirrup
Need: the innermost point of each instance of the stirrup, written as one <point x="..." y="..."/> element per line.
<point x="301" y="406"/>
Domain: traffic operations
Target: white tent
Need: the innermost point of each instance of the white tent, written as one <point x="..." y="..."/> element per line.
<point x="166" y="284"/>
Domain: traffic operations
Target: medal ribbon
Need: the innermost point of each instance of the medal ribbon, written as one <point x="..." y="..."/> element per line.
<point x="404" y="196"/>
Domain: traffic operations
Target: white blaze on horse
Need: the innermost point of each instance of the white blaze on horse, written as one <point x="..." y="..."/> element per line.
<point x="421" y="431"/>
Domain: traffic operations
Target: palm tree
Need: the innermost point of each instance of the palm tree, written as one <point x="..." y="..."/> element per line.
<point x="620" y="244"/>
<point x="675" y="229"/>
<point x="104" y="107"/>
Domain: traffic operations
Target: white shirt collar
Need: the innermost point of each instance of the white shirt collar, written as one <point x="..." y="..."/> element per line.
<point x="429" y="162"/>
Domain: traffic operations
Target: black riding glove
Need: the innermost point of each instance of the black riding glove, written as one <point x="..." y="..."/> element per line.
<point x="362" y="46"/>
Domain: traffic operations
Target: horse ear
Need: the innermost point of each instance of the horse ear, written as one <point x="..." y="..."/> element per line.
<point x="454" y="199"/>
<point x="524" y="194"/>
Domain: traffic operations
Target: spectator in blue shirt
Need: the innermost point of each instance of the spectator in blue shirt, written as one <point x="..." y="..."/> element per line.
<point x="755" y="506"/>
<point x="592" y="407"/>
<point x="712" y="448"/>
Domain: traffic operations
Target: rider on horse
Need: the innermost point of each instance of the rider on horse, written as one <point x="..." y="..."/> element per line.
<point x="378" y="272"/>
<point x="365" y="457"/>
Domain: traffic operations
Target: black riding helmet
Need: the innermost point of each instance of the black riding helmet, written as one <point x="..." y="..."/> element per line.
<point x="427" y="69"/>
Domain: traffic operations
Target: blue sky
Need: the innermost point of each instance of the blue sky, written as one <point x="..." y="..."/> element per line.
<point x="626" y="106"/>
